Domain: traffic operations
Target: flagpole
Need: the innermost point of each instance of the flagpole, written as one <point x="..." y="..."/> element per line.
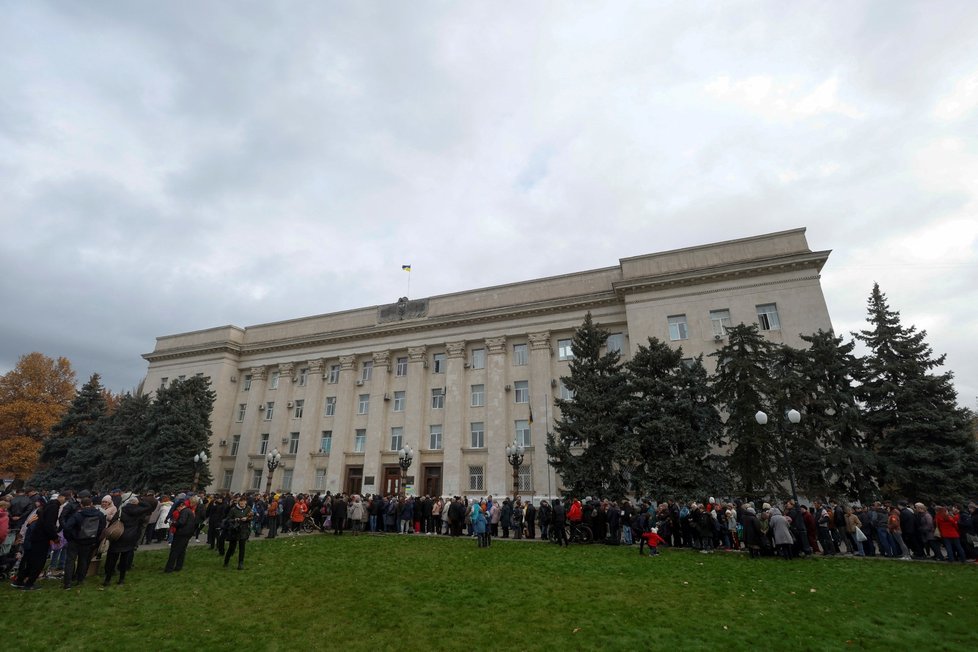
<point x="409" y="284"/>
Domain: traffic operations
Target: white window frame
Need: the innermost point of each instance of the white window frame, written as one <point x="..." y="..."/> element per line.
<point x="720" y="321"/>
<point x="273" y="380"/>
<point x="235" y="445"/>
<point x="256" y="479"/>
<point x="228" y="477"/>
<point x="287" y="475"/>
<point x="397" y="438"/>
<point x="765" y="311"/>
<point x="564" y="349"/>
<point x="334" y="374"/>
<point x="263" y="443"/>
<point x="297" y="411"/>
<point x="401" y="367"/>
<point x="437" y="363"/>
<point x="478" y="358"/>
<point x="521" y="355"/>
<point x="478" y="395"/>
<point x="320" y="481"/>
<point x="330" y="410"/>
<point x="524" y="480"/>
<point x="678" y="328"/>
<point x="400" y="400"/>
<point x="326" y="442"/>
<point x="566" y="394"/>
<point x="363" y="403"/>
<point x="360" y="440"/>
<point x="616" y="342"/>
<point x="438" y="398"/>
<point x="293" y="443"/>
<point x="303" y="376"/>
<point x="522" y="432"/>
<point x="242" y="409"/>
<point x="521" y="391"/>
<point x="477" y="434"/>
<point x="246" y="385"/>
<point x="269" y="410"/>
<point x="435" y="441"/>
<point x="477" y="478"/>
<point x="367" y="370"/>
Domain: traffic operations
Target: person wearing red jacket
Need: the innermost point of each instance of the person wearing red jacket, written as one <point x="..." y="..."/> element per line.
<point x="652" y="539"/>
<point x="299" y="511"/>
<point x="950" y="532"/>
<point x="576" y="513"/>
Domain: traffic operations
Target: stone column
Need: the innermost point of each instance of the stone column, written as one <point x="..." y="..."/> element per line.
<point x="498" y="436"/>
<point x="453" y="428"/>
<point x="249" y="431"/>
<point x="417" y="404"/>
<point x="378" y="430"/>
<point x="342" y="423"/>
<point x="541" y="394"/>
<point x="304" y="474"/>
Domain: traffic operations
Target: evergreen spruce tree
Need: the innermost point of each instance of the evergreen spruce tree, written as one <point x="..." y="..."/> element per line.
<point x="799" y="446"/>
<point x="69" y="455"/>
<point x="589" y="448"/>
<point x="177" y="428"/>
<point x="674" y="426"/>
<point x="924" y="440"/>
<point x="121" y="433"/>
<point x="742" y="385"/>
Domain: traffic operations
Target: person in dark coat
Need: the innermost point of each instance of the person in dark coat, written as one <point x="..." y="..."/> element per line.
<point x="530" y="520"/>
<point x="753" y="537"/>
<point x="506" y="517"/>
<point x="182" y="527"/>
<point x="135" y="513"/>
<point x="339" y="515"/>
<point x="214" y="515"/>
<point x="237" y="529"/>
<point x="83" y="530"/>
<point x="42" y="530"/>
<point x="559" y="520"/>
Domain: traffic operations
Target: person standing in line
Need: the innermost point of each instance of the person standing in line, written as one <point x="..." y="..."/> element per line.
<point x="356" y="512"/>
<point x="42" y="529"/>
<point x="238" y="529"/>
<point x="559" y="520"/>
<point x="272" y="515"/>
<point x="478" y="518"/>
<point x="83" y="530"/>
<point x="183" y="522"/>
<point x="530" y="520"/>
<point x="339" y="514"/>
<point x="214" y="515"/>
<point x="136" y="515"/>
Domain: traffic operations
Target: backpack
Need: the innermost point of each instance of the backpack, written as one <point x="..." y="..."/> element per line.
<point x="88" y="529"/>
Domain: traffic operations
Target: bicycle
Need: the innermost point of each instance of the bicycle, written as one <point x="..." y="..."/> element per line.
<point x="576" y="533"/>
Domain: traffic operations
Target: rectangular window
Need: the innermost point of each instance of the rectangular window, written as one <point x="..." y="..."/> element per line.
<point x="438" y="398"/>
<point x="478" y="358"/>
<point x="320" y="479"/>
<point x="438" y="363"/>
<point x="564" y="351"/>
<point x="269" y="410"/>
<point x="363" y="404"/>
<point x="334" y="374"/>
<point x="616" y="342"/>
<point x="400" y="368"/>
<point x="767" y="317"/>
<point x="678" y="328"/>
<point x="303" y="376"/>
<point x="360" y="440"/>
<point x="226" y="480"/>
<point x="525" y="478"/>
<point x="293" y="443"/>
<point x="477" y="478"/>
<point x="256" y="479"/>
<point x="163" y="383"/>
<point x="521" y="391"/>
<point x="720" y="320"/>
<point x="566" y="393"/>
<point x="263" y="444"/>
<point x="434" y="437"/>
<point x="478" y="395"/>
<point x="326" y="442"/>
<point x="522" y="432"/>
<point x="273" y="383"/>
<point x="397" y="438"/>
<point x="235" y="444"/>
<point x="477" y="430"/>
<point x="520" y="356"/>
<point x="367" y="371"/>
<point x="242" y="408"/>
<point x="689" y="363"/>
<point x="297" y="412"/>
<point x="287" y="480"/>
<point x="330" y="406"/>
<point x="247" y="383"/>
<point x="398" y="401"/>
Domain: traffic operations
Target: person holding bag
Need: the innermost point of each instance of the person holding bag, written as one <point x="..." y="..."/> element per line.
<point x="133" y="516"/>
<point x="237" y="529"/>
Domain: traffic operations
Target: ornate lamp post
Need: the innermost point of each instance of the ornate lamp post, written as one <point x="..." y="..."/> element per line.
<point x="406" y="456"/>
<point x="272" y="460"/>
<point x="514" y="453"/>
<point x="200" y="460"/>
<point x="793" y="416"/>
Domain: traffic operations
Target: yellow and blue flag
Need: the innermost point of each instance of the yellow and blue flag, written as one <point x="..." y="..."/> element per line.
<point x="406" y="268"/>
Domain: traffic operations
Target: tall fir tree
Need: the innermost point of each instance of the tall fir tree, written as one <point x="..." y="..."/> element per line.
<point x="924" y="440"/>
<point x="121" y="433"/>
<point x="589" y="448"/>
<point x="177" y="428"/>
<point x="674" y="426"/>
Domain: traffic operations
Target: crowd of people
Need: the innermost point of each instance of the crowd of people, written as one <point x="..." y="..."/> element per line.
<point x="65" y="531"/>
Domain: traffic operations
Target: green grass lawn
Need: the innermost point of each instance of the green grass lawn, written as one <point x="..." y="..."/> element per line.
<point x="433" y="593"/>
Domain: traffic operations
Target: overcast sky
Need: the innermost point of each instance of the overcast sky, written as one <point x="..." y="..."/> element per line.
<point x="167" y="167"/>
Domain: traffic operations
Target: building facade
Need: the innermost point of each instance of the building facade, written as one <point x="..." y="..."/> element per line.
<point x="458" y="377"/>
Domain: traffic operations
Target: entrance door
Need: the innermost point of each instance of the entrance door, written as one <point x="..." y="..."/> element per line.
<point x="432" y="480"/>
<point x="392" y="480"/>
<point x="354" y="480"/>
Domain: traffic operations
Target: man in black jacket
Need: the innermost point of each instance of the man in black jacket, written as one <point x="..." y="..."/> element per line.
<point x="82" y="530"/>
<point x="185" y="523"/>
<point x="42" y="530"/>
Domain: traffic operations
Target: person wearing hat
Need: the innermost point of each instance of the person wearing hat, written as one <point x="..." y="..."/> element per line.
<point x="135" y="512"/>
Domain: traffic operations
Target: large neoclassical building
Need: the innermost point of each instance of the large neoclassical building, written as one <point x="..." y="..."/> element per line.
<point x="460" y="376"/>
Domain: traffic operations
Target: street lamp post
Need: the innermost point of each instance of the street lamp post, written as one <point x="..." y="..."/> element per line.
<point x="272" y="460"/>
<point x="514" y="453"/>
<point x="200" y="460"/>
<point x="794" y="417"/>
<point x="406" y="456"/>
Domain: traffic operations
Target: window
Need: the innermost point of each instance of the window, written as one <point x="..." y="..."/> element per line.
<point x="523" y="432"/>
<point x="721" y="322"/>
<point x="334" y="374"/>
<point x="767" y="317"/>
<point x="287" y="480"/>
<point x="226" y="480"/>
<point x="363" y="404"/>
<point x="477" y="478"/>
<point x="397" y="438"/>
<point x="256" y="478"/>
<point x="478" y="358"/>
<point x="163" y="383"/>
<point x="438" y="398"/>
<point x="293" y="443"/>
<point x="564" y="351"/>
<point x="360" y="440"/>
<point x="242" y="408"/>
<point x="263" y="444"/>
<point x="519" y="355"/>
<point x="477" y="429"/>
<point x="438" y="363"/>
<point x="434" y="437"/>
<point x="400" y="367"/>
<point x="367" y="371"/>
<point x="235" y="444"/>
<point x="689" y="363"/>
<point x="522" y="391"/>
<point x="566" y="393"/>
<point x="320" y="479"/>
<point x="525" y="478"/>
<point x="303" y="376"/>
<point x="247" y="383"/>
<point x="326" y="442"/>
<point x="478" y="395"/>
<point x="398" y="401"/>
<point x="616" y="342"/>
<point x="297" y="412"/>
<point x="273" y="383"/>
<point x="330" y="406"/>
<point x="269" y="410"/>
<point x="678" y="328"/>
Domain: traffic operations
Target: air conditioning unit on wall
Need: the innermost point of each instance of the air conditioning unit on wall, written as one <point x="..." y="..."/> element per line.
<point x="223" y="443"/>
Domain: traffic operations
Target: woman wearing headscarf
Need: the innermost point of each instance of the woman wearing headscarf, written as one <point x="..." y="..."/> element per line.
<point x="135" y="513"/>
<point x="108" y="508"/>
<point x="782" y="533"/>
<point x="478" y="517"/>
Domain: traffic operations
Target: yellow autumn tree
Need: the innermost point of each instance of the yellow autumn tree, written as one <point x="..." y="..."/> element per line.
<point x="33" y="397"/>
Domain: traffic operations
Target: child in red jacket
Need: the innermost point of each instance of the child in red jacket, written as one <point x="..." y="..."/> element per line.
<point x="652" y="539"/>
